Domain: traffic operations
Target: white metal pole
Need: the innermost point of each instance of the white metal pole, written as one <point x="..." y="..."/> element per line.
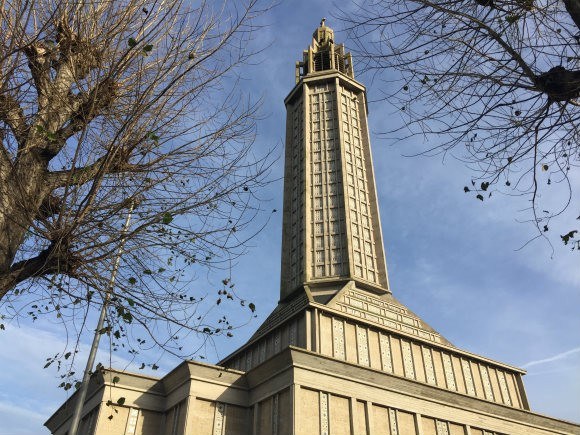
<point x="82" y="393"/>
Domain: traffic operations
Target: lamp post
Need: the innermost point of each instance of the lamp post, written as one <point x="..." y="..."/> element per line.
<point x="82" y="393"/>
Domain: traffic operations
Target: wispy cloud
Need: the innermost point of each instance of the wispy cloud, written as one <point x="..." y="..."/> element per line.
<point x="556" y="357"/>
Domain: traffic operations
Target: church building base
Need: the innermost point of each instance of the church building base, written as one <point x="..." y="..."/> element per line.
<point x="296" y="392"/>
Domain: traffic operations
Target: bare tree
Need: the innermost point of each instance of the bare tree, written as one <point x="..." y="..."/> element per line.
<point x="111" y="104"/>
<point x="497" y="81"/>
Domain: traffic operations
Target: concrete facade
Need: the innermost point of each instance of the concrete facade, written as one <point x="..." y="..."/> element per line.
<point x="339" y="354"/>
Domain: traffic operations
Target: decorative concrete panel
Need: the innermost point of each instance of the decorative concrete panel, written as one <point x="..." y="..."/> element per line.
<point x="504" y="388"/>
<point x="386" y="357"/>
<point x="362" y="345"/>
<point x="393" y="422"/>
<point x="486" y="382"/>
<point x="218" y="422"/>
<point x="371" y="308"/>
<point x="469" y="384"/>
<point x="429" y="369"/>
<point x="132" y="421"/>
<point x="407" y="359"/>
<point x="338" y="338"/>
<point x="448" y="368"/>
<point x="324" y="414"/>
<point x="292" y="333"/>
<point x="442" y="428"/>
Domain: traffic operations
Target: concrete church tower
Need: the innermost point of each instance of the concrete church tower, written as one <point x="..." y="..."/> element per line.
<point x="331" y="228"/>
<point x="339" y="355"/>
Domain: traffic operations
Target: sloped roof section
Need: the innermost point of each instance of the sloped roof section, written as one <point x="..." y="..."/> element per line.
<point x="385" y="311"/>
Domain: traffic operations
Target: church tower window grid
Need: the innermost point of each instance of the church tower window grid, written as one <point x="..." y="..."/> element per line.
<point x="363" y="249"/>
<point x="296" y="199"/>
<point x="328" y="227"/>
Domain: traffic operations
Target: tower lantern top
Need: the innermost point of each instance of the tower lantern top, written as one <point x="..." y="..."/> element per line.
<point x="323" y="35"/>
<point x="324" y="55"/>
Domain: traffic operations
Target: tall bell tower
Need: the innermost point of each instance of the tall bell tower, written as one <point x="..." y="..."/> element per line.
<point x="331" y="225"/>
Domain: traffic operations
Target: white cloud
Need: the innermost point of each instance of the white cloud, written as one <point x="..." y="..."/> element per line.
<point x="554" y="358"/>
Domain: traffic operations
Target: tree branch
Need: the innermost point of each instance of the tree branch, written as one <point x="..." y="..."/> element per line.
<point x="13" y="116"/>
<point x="57" y="258"/>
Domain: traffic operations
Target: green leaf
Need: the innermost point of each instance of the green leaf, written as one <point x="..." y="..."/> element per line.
<point x="131" y="302"/>
<point x="67" y="355"/>
<point x="154" y="366"/>
<point x="147" y="48"/>
<point x="120" y="401"/>
<point x="566" y="237"/>
<point x="148" y="272"/>
<point x="153" y="137"/>
<point x="512" y="18"/>
<point x="480" y="197"/>
<point x="252" y="307"/>
<point x="167" y="218"/>
<point x="132" y="43"/>
<point x="132" y="281"/>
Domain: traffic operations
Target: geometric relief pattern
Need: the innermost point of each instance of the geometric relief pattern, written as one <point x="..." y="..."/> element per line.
<point x="429" y="369"/>
<point x="323" y="413"/>
<point x="448" y="368"/>
<point x="469" y="385"/>
<point x="503" y="387"/>
<point x="338" y="338"/>
<point x="386" y="353"/>
<point x="407" y="359"/>
<point x="296" y="249"/>
<point x="218" y="419"/>
<point x="292" y="333"/>
<point x="486" y="382"/>
<point x="362" y="346"/>
<point x="361" y="225"/>
<point x="132" y="421"/>
<point x="375" y="310"/>
<point x="328" y="231"/>
<point x="393" y="421"/>
<point x="442" y="428"/>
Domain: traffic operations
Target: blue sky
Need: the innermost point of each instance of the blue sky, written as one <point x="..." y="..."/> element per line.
<point x="451" y="259"/>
